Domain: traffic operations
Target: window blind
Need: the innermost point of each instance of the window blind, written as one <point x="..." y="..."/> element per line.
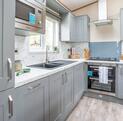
<point x="52" y="14"/>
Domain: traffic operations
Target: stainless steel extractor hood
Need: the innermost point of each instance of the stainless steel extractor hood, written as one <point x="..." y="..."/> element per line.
<point x="102" y="17"/>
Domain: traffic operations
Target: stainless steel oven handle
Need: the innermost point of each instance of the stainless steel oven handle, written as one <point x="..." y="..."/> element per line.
<point x="10" y="108"/>
<point x="9" y="69"/>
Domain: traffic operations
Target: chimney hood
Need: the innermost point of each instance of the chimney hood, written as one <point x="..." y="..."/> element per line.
<point x="102" y="17"/>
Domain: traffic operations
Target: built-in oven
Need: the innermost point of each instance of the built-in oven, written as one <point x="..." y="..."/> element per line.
<point x="109" y="76"/>
<point x="30" y="16"/>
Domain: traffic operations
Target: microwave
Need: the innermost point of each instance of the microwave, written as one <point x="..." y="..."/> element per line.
<point x="29" y="16"/>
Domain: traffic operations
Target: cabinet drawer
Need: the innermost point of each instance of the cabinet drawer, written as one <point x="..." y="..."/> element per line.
<point x="31" y="87"/>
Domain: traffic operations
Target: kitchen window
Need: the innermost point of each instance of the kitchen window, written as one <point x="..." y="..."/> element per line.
<point x="38" y="43"/>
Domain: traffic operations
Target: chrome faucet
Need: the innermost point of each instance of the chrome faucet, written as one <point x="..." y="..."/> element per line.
<point x="46" y="61"/>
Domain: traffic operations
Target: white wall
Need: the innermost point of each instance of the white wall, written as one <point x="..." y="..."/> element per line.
<point x="27" y="58"/>
<point x="104" y="33"/>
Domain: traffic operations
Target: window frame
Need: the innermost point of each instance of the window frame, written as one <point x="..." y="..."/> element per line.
<point x="42" y="48"/>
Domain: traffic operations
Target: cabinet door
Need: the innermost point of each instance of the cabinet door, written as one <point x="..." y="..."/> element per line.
<point x="72" y="28"/>
<point x="79" y="85"/>
<point x="7" y="21"/>
<point x="7" y="112"/>
<point x="86" y="29"/>
<point x="56" y="86"/>
<point x="82" y="29"/>
<point x="75" y="28"/>
<point x="32" y="102"/>
<point x="120" y="82"/>
<point x="79" y="29"/>
<point x="68" y="92"/>
<point x="1" y="45"/>
<point x="65" y="28"/>
<point x="121" y="24"/>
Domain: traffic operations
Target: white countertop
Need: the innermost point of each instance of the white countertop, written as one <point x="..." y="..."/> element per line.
<point x="108" y="62"/>
<point x="96" y="61"/>
<point x="37" y="73"/>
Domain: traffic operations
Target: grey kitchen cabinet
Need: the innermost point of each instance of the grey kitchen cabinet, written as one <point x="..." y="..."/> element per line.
<point x="86" y="29"/>
<point x="82" y="29"/>
<point x="7" y="21"/>
<point x="32" y="103"/>
<point x="56" y="100"/>
<point x="67" y="27"/>
<point x="79" y="83"/>
<point x="119" y="83"/>
<point x="75" y="28"/>
<point x="61" y="95"/>
<point x="121" y="24"/>
<point x="7" y="109"/>
<point x="67" y="92"/>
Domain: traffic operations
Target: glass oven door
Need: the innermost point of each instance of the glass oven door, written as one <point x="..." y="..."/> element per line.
<point x="93" y="79"/>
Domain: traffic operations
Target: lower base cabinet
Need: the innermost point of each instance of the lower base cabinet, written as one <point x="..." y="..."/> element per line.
<point x="7" y="107"/>
<point x="61" y="95"/>
<point x="56" y="86"/>
<point x="33" y="101"/>
<point x="51" y="98"/>
<point x="79" y="83"/>
<point x="67" y="92"/>
<point x="119" y="83"/>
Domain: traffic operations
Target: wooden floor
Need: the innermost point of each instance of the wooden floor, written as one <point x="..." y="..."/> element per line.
<point x="90" y="109"/>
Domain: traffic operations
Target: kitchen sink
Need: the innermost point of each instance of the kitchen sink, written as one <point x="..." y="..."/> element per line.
<point x="47" y="65"/>
<point x="52" y="64"/>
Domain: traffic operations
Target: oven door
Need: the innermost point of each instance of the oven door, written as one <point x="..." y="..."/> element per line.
<point x="93" y="79"/>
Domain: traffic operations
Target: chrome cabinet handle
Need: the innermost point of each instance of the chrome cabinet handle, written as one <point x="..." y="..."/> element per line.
<point x="9" y="69"/>
<point x="63" y="79"/>
<point x="33" y="87"/>
<point x="10" y="103"/>
<point x="66" y="77"/>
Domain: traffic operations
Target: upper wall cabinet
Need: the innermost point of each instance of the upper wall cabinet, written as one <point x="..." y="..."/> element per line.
<point x="75" y="28"/>
<point x="121" y="24"/>
<point x="7" y="21"/>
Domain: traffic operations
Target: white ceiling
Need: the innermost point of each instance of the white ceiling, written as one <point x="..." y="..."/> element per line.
<point x="75" y="4"/>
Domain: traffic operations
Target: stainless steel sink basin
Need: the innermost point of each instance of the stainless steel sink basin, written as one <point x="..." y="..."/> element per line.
<point x="65" y="62"/>
<point x="47" y="65"/>
<point x="52" y="64"/>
